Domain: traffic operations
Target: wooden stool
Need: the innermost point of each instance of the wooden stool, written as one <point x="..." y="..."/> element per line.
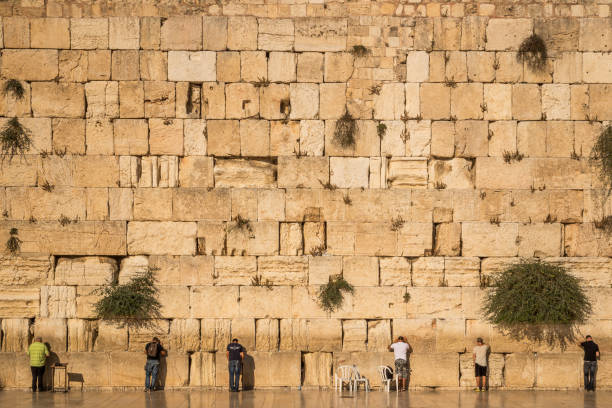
<point x="59" y="375"/>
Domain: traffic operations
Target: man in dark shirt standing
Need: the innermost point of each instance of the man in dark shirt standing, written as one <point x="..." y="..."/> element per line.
<point x="154" y="351"/>
<point x="591" y="355"/>
<point x="235" y="354"/>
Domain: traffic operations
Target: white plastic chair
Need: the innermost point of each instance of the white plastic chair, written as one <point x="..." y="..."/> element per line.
<point x="384" y="377"/>
<point x="343" y="374"/>
<point x="358" y="378"/>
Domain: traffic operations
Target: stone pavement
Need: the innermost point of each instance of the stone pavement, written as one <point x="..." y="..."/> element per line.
<point x="309" y="398"/>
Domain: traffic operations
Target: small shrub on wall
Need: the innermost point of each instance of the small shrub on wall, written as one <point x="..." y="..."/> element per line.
<point x="538" y="301"/>
<point x="134" y="303"/>
<point x="601" y="156"/>
<point x="331" y="295"/>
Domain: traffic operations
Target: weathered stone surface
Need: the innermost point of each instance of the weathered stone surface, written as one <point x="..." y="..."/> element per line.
<point x="30" y="65"/>
<point x="244" y="173"/>
<point x="89" y="33"/>
<point x="507" y="34"/>
<point x="202" y="369"/>
<point x="317" y="369"/>
<point x="320" y="34"/>
<point x="58" y="301"/>
<point x="25" y="270"/>
<point x="495" y="370"/>
<point x="197" y="66"/>
<point x="558" y="370"/>
<point x="85" y="271"/>
<point x="407" y="173"/>
<point x="127" y="367"/>
<point x="53" y="331"/>
<point x="15" y="335"/>
<point x="81" y="335"/>
<point x="52" y="99"/>
<point x="168" y="238"/>
<point x="253" y="302"/>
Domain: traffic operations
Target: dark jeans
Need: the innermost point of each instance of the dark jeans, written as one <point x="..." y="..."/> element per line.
<point x="151" y="369"/>
<point x="37" y="375"/>
<point x="234" y="374"/>
<point x="590" y="372"/>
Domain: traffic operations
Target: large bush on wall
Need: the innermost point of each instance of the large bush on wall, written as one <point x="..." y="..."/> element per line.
<point x="133" y="303"/>
<point x="538" y="301"/>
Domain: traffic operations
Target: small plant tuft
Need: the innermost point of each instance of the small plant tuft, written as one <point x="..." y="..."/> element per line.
<point x="15" y="139"/>
<point x="406" y="297"/>
<point x="5" y="213"/>
<point x="397" y="223"/>
<point x="262" y="83"/>
<point x="509" y="157"/>
<point x="318" y="250"/>
<point x="13" y="245"/>
<point x="375" y="89"/>
<point x="538" y="301"/>
<point x="328" y="186"/>
<point x="360" y="51"/>
<point x="381" y="129"/>
<point x="442" y="283"/>
<point x="605" y="223"/>
<point x="533" y="52"/>
<point x="63" y="220"/>
<point x="242" y="224"/>
<point x="438" y="185"/>
<point x="48" y="187"/>
<point x="550" y="219"/>
<point x="346" y="128"/>
<point x="450" y="83"/>
<point x="347" y="199"/>
<point x="14" y="87"/>
<point x="494" y="220"/>
<point x="257" y="280"/>
<point x="32" y="219"/>
<point x="133" y="303"/>
<point x="331" y="295"/>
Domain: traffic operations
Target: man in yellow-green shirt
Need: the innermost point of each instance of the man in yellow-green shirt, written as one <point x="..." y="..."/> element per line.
<point x="38" y="353"/>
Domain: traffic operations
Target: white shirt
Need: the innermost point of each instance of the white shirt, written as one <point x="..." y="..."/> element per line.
<point x="481" y="355"/>
<point x="400" y="350"/>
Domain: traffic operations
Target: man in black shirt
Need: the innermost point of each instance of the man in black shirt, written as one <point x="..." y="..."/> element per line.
<point x="154" y="351"/>
<point x="591" y="355"/>
<point x="235" y="354"/>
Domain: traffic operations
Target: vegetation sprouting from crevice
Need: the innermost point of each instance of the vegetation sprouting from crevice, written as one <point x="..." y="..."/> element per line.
<point x="331" y="295"/>
<point x="15" y="88"/>
<point x="14" y="139"/>
<point x="346" y="128"/>
<point x="13" y="244"/>
<point x="533" y="52"/>
<point x="538" y="301"/>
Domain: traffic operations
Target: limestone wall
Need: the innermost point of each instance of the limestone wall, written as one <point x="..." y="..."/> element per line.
<point x="156" y="124"/>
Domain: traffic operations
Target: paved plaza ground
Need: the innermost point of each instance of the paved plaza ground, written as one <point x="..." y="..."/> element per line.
<point x="308" y="398"/>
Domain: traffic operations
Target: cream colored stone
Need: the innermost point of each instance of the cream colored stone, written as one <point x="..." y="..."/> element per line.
<point x="291" y="239"/>
<point x="242" y="101"/>
<point x="17" y="32"/>
<point x="558" y="370"/>
<point x="15" y="334"/>
<point x="507" y="34"/>
<point x="354" y="335"/>
<point x="49" y="33"/>
<point x="310" y="67"/>
<point x="390" y="104"/>
<point x="332" y="100"/>
<point x="68" y="100"/>
<point x="102" y="100"/>
<point x="173" y="238"/>
<point x="214" y="30"/>
<point x="320" y="268"/>
<point x="89" y="33"/>
<point x="304" y="101"/>
<point x="282" y="67"/>
<point x="308" y="172"/>
<point x="30" y="270"/>
<point x="320" y="34"/>
<point x="407" y="173"/>
<point x="242" y="33"/>
<point x="202" y="369"/>
<point x="244" y="173"/>
<point x="53" y="331"/>
<point x="181" y="33"/>
<point x="417" y="64"/>
<point x="395" y="271"/>
<point x="317" y="369"/>
<point x="453" y="174"/>
<point x="266" y="332"/>
<point x="85" y="271"/>
<point x="448" y="239"/>
<point x="275" y="34"/>
<point x="556" y="101"/>
<point x="253" y="302"/>
<point x="348" y="172"/>
<point x="435" y="101"/>
<point x="197" y="66"/>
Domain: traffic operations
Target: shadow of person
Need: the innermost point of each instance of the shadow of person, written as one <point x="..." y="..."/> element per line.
<point x="162" y="373"/>
<point x="52" y="360"/>
<point x="248" y="372"/>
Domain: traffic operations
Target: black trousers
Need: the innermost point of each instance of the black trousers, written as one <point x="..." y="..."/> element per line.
<point x="37" y="375"/>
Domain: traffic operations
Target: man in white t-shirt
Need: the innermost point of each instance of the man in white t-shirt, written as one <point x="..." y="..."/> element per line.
<point x="400" y="350"/>
<point x="480" y="356"/>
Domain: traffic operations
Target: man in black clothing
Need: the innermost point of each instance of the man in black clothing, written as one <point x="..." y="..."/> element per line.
<point x="154" y="351"/>
<point x="591" y="355"/>
<point x="235" y="354"/>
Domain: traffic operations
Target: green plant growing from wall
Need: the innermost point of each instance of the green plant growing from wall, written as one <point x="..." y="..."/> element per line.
<point x="331" y="295"/>
<point x="360" y="51"/>
<point x="601" y="156"/>
<point x="532" y="51"/>
<point x="381" y="129"/>
<point x="134" y="303"/>
<point x="258" y="280"/>
<point x="242" y="224"/>
<point x="14" y="87"/>
<point x="537" y="301"/>
<point x="318" y="250"/>
<point x="406" y="297"/>
<point x="344" y="132"/>
<point x="14" y="139"/>
<point x="13" y="245"/>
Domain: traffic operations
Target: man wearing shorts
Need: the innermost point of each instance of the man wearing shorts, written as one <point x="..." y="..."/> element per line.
<point x="400" y="351"/>
<point x="480" y="356"/>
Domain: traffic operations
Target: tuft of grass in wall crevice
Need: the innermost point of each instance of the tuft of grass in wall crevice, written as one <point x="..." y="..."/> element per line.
<point x="331" y="295"/>
<point x="15" y="88"/>
<point x="345" y="131"/>
<point x="13" y="244"/>
<point x="533" y="52"/>
<point x="14" y="139"/>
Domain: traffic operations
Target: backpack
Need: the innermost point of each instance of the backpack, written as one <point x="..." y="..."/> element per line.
<point x="152" y="350"/>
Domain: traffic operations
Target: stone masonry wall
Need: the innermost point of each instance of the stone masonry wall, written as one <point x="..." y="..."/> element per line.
<point x="156" y="124"/>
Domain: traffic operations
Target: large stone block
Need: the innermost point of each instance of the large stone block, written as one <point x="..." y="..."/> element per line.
<point x="25" y="270"/>
<point x="558" y="370"/>
<point x="395" y="271"/>
<point x="81" y="335"/>
<point x="275" y="34"/>
<point x="81" y="238"/>
<point x="51" y="99"/>
<point x="212" y="302"/>
<point x="305" y="172"/>
<point x="438" y="302"/>
<point x="419" y="333"/>
<point x="407" y="172"/>
<point x="254" y="302"/>
<point x="318" y="369"/>
<point x="15" y="335"/>
<point x="166" y="136"/>
<point x="30" y="65"/>
<point x="163" y="238"/>
<point x="202" y="369"/>
<point x="53" y="331"/>
<point x="507" y="33"/>
<point x="197" y="66"/>
<point x="181" y="33"/>
<point x="440" y="369"/>
<point x="349" y="172"/>
<point x="495" y="370"/>
<point x="58" y="301"/>
<point x="320" y="34"/>
<point x="215" y="334"/>
<point x="85" y="271"/>
<point x="127" y="369"/>
<point x="595" y="35"/>
<point x="283" y="270"/>
<point x="261" y="239"/>
<point x="266" y="334"/>
<point x="494" y="173"/>
<point x="241" y="173"/>
<point x="89" y="33"/>
<point x="184" y="335"/>
<point x="501" y="240"/>
<point x="242" y="33"/>
<point x="214" y="33"/>
<point x="182" y="270"/>
<point x="111" y="337"/>
<point x="201" y="204"/>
